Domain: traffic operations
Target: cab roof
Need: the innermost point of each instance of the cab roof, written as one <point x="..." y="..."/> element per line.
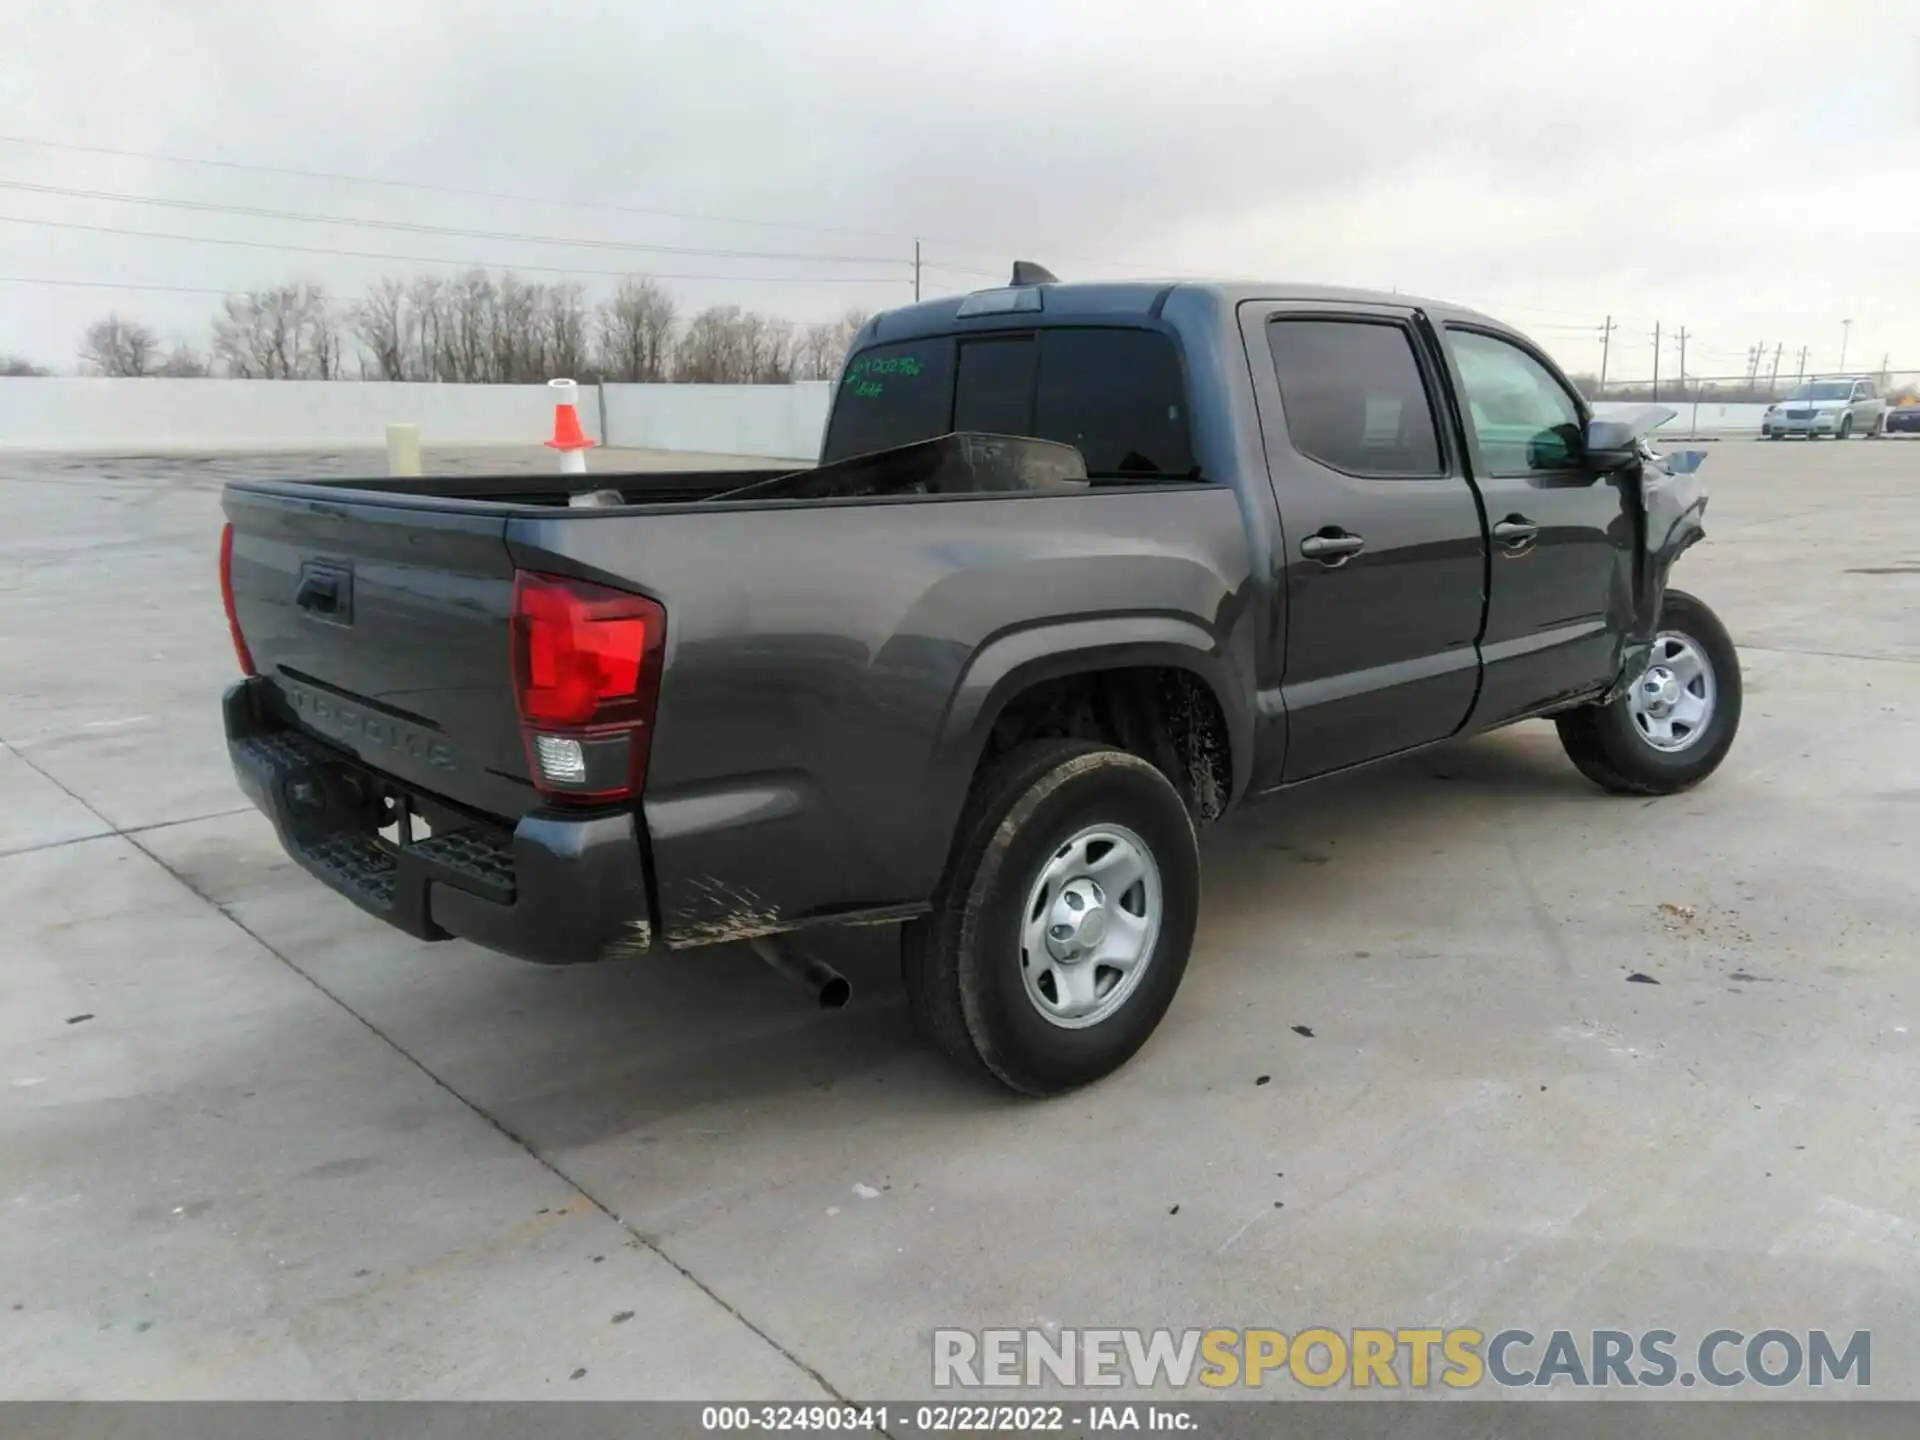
<point x="1117" y="299"/>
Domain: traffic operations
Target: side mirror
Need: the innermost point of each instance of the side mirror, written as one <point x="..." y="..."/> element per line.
<point x="1612" y="445"/>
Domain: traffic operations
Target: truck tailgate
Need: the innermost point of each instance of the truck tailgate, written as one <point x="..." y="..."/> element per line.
<point x="383" y="628"/>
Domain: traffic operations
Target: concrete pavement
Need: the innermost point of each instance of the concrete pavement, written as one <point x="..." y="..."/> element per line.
<point x="253" y="1143"/>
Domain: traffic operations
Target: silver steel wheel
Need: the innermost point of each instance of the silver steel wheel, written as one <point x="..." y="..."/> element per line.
<point x="1672" y="704"/>
<point x="1087" y="934"/>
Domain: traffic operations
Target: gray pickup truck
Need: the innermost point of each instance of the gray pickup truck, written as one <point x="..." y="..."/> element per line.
<point x="1082" y="566"/>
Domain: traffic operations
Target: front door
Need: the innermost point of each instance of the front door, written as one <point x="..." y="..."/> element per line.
<point x="1560" y="585"/>
<point x="1384" y="557"/>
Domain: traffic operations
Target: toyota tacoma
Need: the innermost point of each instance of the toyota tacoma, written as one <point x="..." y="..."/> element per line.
<point x="1082" y="566"/>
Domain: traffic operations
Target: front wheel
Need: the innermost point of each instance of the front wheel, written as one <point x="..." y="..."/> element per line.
<point x="1062" y="927"/>
<point x="1846" y="428"/>
<point x="1674" y="727"/>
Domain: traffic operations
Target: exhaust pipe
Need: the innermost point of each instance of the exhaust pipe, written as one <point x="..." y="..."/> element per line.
<point x="829" y="986"/>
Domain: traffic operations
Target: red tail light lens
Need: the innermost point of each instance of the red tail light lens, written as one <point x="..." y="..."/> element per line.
<point x="586" y="669"/>
<point x="244" y="655"/>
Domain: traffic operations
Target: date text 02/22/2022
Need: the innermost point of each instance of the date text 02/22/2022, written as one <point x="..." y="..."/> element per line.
<point x="946" y="1419"/>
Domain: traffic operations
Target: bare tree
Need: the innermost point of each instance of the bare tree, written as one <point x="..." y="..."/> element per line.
<point x="285" y="333"/>
<point x="119" y="346"/>
<point x="19" y="367"/>
<point x="634" y="333"/>
<point x="713" y="350"/>
<point x="823" y="346"/>
<point x="380" y="321"/>
<point x="566" y="333"/>
<point x="183" y="362"/>
<point x="770" y="344"/>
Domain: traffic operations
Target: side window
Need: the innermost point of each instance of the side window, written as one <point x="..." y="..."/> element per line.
<point x="1524" y="419"/>
<point x="1354" y="398"/>
<point x="994" y="389"/>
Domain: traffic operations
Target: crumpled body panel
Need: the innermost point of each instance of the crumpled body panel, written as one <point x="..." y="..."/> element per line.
<point x="1671" y="502"/>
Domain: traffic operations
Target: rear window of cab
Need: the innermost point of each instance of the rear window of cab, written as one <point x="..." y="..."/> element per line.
<point x="1116" y="395"/>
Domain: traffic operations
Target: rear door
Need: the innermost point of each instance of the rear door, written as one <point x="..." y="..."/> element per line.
<point x="1384" y="554"/>
<point x="1560" y="582"/>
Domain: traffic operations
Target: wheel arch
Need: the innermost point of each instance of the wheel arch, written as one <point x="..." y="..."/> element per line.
<point x="1175" y="657"/>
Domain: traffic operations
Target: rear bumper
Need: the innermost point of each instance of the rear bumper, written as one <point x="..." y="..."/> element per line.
<point x="556" y="889"/>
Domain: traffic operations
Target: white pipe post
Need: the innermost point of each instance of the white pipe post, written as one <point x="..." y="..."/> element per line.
<point x="403" y="449"/>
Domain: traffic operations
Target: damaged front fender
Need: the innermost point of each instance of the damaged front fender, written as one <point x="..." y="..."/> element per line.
<point x="1670" y="503"/>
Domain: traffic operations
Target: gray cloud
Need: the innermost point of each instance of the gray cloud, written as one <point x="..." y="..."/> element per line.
<point x="1750" y="171"/>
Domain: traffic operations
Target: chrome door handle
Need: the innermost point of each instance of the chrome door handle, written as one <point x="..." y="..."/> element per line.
<point x="1332" y="550"/>
<point x="1516" y="533"/>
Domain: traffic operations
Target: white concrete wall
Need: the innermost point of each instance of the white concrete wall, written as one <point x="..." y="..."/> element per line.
<point x="201" y="415"/>
<point x="779" y="422"/>
<point x="1702" y="419"/>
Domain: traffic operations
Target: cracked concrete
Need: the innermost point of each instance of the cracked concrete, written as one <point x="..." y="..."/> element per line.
<point x="253" y="1143"/>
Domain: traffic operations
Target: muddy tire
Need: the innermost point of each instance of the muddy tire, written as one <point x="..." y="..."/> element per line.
<point x="1062" y="927"/>
<point x="1675" y="727"/>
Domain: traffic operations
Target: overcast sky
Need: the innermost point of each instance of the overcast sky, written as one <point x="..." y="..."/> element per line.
<point x="1749" y="171"/>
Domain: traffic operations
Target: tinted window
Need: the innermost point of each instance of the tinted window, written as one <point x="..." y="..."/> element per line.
<point x="1118" y="397"/>
<point x="1523" y="418"/>
<point x="1354" y="398"/>
<point x="994" y="391"/>
<point x="892" y="395"/>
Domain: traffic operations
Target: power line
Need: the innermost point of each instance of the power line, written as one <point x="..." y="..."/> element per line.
<point x="975" y="245"/>
<point x="112" y="285"/>
<point x="422" y="185"/>
<point x="472" y="193"/>
<point x="413" y="228"/>
<point x="441" y="260"/>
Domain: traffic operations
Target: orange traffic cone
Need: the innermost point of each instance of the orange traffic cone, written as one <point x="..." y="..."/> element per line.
<point x="568" y="438"/>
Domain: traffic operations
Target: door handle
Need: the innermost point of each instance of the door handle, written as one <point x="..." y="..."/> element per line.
<point x="1332" y="548"/>
<point x="1516" y="534"/>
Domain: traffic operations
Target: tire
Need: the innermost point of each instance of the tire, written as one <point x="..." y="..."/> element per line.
<point x="1607" y="743"/>
<point x="968" y="977"/>
<point x="1845" y="431"/>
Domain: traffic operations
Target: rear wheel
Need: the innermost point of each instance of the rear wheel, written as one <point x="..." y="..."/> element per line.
<point x="1062" y="927"/>
<point x="1675" y="726"/>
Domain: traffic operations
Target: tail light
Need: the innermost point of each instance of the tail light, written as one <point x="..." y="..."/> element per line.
<point x="244" y="655"/>
<point x="586" y="677"/>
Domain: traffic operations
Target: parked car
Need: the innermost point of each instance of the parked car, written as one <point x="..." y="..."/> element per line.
<point x="1904" y="418"/>
<point x="1842" y="408"/>
<point x="1082" y="568"/>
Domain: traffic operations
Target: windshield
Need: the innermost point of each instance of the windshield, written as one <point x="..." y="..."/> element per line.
<point x="1823" y="390"/>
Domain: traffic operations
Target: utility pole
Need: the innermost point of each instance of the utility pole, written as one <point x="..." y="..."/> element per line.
<point x="1801" y="375"/>
<point x="916" y="272"/>
<point x="1683" y="362"/>
<point x="1846" y="330"/>
<point x="1883" y="368"/>
<point x="1754" y="352"/>
<point x="1656" y="362"/>
<point x="1606" y="344"/>
<point x="1773" y="376"/>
